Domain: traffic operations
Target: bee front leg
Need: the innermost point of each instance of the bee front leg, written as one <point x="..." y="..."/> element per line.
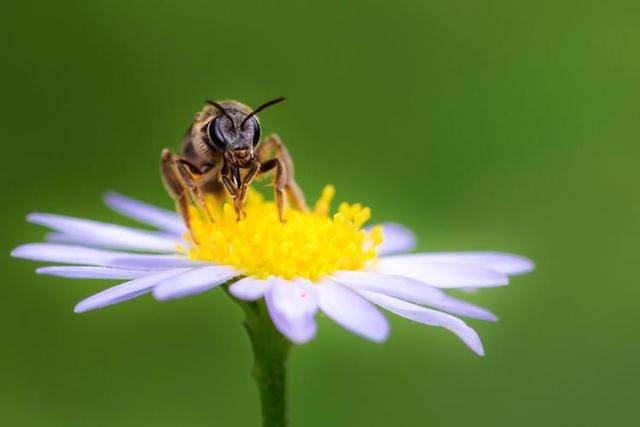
<point x="244" y="186"/>
<point x="234" y="192"/>
<point x="264" y="151"/>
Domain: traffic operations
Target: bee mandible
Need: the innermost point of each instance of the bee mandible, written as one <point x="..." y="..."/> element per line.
<point x="222" y="151"/>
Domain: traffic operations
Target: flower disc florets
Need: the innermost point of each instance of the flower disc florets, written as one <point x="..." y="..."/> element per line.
<point x="308" y="244"/>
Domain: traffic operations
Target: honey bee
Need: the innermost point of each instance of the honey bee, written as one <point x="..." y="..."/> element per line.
<point x="222" y="151"/>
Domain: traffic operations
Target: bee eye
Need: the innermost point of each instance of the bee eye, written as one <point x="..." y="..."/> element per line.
<point x="216" y="135"/>
<point x="256" y="131"/>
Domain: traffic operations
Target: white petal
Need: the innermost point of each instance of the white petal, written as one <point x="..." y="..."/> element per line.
<point x="193" y="282"/>
<point x="428" y="317"/>
<point x="125" y="291"/>
<point x="250" y="288"/>
<point x="462" y="308"/>
<point x="292" y="306"/>
<point x="55" y="237"/>
<point x="114" y="236"/>
<point x="504" y="263"/>
<point x="442" y="274"/>
<point x="92" y="272"/>
<point x="161" y="218"/>
<point x="66" y="239"/>
<point x="410" y="290"/>
<point x="352" y="311"/>
<point x="396" y="238"/>
<point x="153" y="262"/>
<point x="51" y="252"/>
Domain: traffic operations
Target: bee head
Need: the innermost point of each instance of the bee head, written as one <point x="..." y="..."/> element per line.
<point x="235" y="133"/>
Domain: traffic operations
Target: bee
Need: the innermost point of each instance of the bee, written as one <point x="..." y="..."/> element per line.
<point x="222" y="152"/>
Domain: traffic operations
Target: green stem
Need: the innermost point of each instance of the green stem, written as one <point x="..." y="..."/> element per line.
<point x="270" y="351"/>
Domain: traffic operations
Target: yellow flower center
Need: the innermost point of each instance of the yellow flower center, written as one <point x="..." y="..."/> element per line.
<point x="309" y="245"/>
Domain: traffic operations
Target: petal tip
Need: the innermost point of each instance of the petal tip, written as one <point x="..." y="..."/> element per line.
<point x="397" y="238"/>
<point x="80" y="308"/>
<point x="256" y="290"/>
<point x="527" y="266"/>
<point x="301" y="339"/>
<point x="22" y="251"/>
<point x="515" y="264"/>
<point x="301" y="335"/>
<point x="35" y="217"/>
<point x="162" y="294"/>
<point x="110" y="197"/>
<point x="382" y="338"/>
<point x="298" y="336"/>
<point x="234" y="293"/>
<point x="379" y="334"/>
<point x="474" y="343"/>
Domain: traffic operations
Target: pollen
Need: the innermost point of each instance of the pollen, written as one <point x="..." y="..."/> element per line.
<point x="308" y="244"/>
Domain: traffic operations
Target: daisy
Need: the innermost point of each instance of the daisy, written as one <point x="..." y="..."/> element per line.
<point x="312" y="262"/>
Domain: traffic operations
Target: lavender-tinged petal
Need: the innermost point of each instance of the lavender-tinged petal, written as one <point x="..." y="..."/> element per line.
<point x="428" y="317"/>
<point x="443" y="274"/>
<point x="193" y="282"/>
<point x="153" y="262"/>
<point x="92" y="272"/>
<point x="125" y="291"/>
<point x="412" y="290"/>
<point x="352" y="311"/>
<point x="396" y="238"/>
<point x="66" y="239"/>
<point x="292" y="306"/>
<point x="102" y="234"/>
<point x="56" y="237"/>
<point x="462" y="308"/>
<point x="502" y="262"/>
<point x="51" y="252"/>
<point x="250" y="289"/>
<point x="79" y="255"/>
<point x="397" y="286"/>
<point x="148" y="214"/>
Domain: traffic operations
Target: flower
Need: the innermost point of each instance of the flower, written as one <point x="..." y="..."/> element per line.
<point x="312" y="262"/>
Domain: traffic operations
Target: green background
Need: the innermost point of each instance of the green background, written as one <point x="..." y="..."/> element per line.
<point x="497" y="125"/>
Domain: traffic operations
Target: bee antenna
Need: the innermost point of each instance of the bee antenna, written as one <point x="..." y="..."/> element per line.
<point x="222" y="110"/>
<point x="262" y="107"/>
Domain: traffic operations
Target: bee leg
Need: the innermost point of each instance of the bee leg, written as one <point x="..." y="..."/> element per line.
<point x="244" y="185"/>
<point x="192" y="177"/>
<point x="174" y="185"/>
<point x="181" y="179"/>
<point x="279" y="182"/>
<point x="266" y="147"/>
<point x="230" y="186"/>
<point x="234" y="192"/>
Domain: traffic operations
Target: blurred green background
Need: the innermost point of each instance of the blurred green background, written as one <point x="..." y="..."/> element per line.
<point x="496" y="125"/>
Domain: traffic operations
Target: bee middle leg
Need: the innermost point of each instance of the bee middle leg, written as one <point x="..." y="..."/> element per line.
<point x="279" y="181"/>
<point x="182" y="180"/>
<point x="266" y="147"/>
